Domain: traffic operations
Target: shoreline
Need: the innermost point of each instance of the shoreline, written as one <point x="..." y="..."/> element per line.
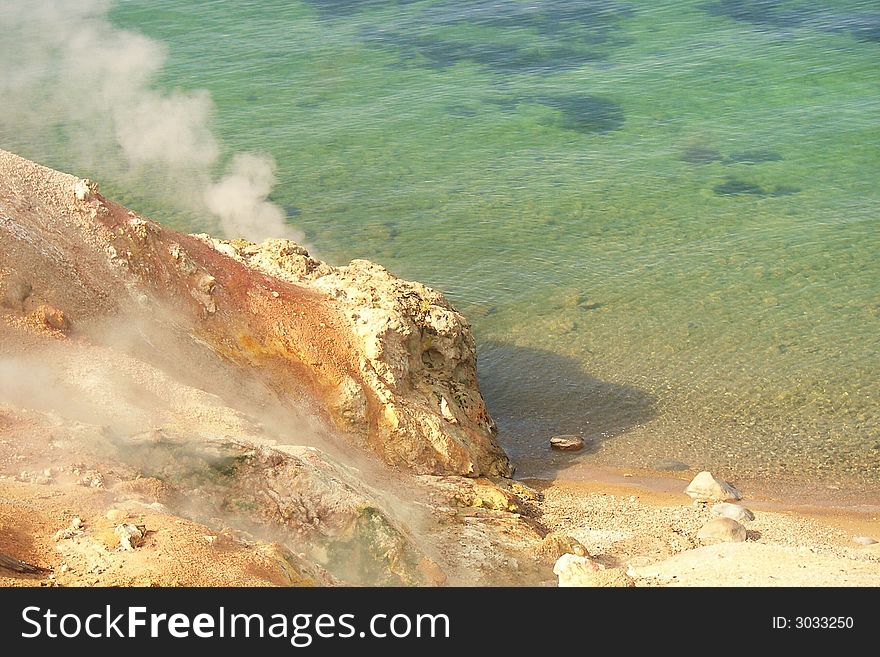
<point x="775" y="495"/>
<point x="664" y="491"/>
<point x="647" y="527"/>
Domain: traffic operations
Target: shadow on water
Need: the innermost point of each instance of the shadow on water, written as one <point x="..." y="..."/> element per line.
<point x="586" y="113"/>
<point x="507" y="36"/>
<point x="785" y="14"/>
<point x="534" y="394"/>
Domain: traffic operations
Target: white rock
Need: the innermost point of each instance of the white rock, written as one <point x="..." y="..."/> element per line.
<point x="733" y="511"/>
<point x="84" y="189"/>
<point x="573" y="570"/>
<point x="864" y="540"/>
<point x="706" y="488"/>
<point x="722" y="530"/>
<point x="130" y="537"/>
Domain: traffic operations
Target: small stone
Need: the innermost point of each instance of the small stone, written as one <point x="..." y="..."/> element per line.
<point x="573" y="570"/>
<point x="91" y="479"/>
<point x="733" y="511"/>
<point x="555" y="544"/>
<point x="130" y="537"/>
<point x="84" y="189"/>
<point x="53" y="317"/>
<point x="76" y="523"/>
<point x="706" y="488"/>
<point x="567" y="443"/>
<point x="64" y="534"/>
<point x="864" y="540"/>
<point x="722" y="530"/>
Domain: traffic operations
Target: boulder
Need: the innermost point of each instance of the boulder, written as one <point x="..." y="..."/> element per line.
<point x="412" y="393"/>
<point x="706" y="488"/>
<point x="573" y="570"/>
<point x="722" y="530"/>
<point x="733" y="511"/>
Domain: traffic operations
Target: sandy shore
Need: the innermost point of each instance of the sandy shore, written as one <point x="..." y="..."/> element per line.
<point x="648" y="526"/>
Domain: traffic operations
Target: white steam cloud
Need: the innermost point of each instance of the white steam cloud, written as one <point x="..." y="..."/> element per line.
<point x="77" y="89"/>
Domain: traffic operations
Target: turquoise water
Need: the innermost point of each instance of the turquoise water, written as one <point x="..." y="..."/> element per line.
<point x="661" y="218"/>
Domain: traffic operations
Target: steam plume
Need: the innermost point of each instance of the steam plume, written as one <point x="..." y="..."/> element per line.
<point x="78" y="89"/>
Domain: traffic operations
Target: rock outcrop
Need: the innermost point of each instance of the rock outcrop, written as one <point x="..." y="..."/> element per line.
<point x="314" y="424"/>
<point x="390" y="362"/>
<point x="415" y="360"/>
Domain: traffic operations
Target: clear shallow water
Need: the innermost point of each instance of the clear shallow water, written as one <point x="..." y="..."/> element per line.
<point x="662" y="218"/>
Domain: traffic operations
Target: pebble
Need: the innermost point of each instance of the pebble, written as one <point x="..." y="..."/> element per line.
<point x="864" y="540"/>
<point x="722" y="530"/>
<point x="567" y="443"/>
<point x="130" y="537"/>
<point x="76" y="523"/>
<point x="706" y="488"/>
<point x="733" y="511"/>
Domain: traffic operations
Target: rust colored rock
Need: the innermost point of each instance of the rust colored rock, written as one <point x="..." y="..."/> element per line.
<point x="53" y="318"/>
<point x="390" y="362"/>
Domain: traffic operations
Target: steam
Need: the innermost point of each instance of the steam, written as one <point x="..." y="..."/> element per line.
<point x="239" y="199"/>
<point x="78" y="89"/>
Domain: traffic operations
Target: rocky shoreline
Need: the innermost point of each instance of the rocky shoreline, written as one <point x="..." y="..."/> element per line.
<point x="182" y="410"/>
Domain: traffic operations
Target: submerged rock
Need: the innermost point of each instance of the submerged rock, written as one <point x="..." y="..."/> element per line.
<point x="722" y="530"/>
<point x="733" y="511"/>
<point x="706" y="488"/>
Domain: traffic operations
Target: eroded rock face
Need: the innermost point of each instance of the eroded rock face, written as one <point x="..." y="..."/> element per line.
<point x="415" y="393"/>
<point x="389" y="361"/>
<point x="234" y="385"/>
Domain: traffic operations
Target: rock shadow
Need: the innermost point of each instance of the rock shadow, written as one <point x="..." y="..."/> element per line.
<point x="534" y="394"/>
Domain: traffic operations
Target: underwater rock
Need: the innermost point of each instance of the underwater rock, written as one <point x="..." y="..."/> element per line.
<point x="753" y="157"/>
<point x="736" y="187"/>
<point x="700" y="154"/>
